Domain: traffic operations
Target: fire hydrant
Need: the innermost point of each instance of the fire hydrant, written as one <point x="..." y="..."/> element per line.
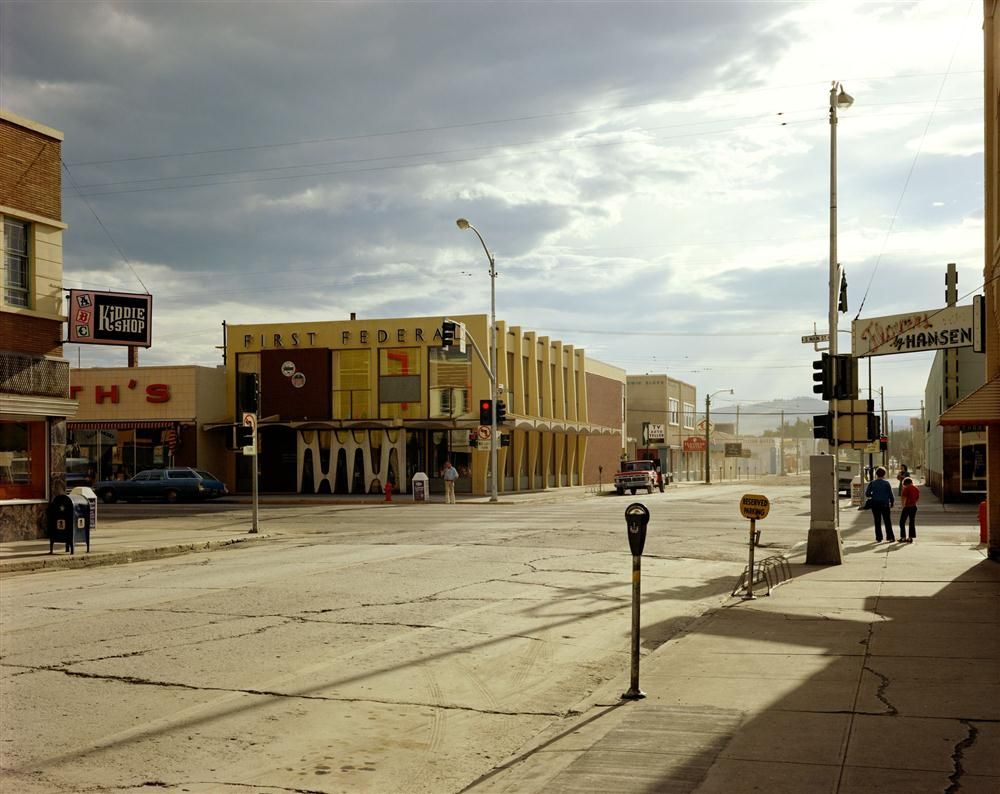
<point x="388" y="492"/>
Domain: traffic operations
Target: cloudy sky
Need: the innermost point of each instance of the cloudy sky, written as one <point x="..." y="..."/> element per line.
<point x="653" y="177"/>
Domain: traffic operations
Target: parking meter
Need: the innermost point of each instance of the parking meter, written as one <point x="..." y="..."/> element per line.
<point x="636" y="519"/>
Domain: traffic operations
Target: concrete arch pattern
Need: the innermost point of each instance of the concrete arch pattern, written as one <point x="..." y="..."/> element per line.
<point x="308" y="442"/>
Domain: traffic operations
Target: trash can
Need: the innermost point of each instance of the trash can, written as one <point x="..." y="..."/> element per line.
<point x="67" y="521"/>
<point x="91" y="497"/>
<point x="420" y="487"/>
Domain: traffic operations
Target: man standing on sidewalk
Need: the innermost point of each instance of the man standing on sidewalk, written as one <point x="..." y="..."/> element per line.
<point x="450" y="474"/>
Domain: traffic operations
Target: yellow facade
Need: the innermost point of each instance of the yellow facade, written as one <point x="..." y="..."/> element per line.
<point x="374" y="362"/>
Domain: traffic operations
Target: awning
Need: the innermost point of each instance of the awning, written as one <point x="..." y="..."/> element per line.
<point x="512" y="423"/>
<point x="127" y="424"/>
<point x="982" y="407"/>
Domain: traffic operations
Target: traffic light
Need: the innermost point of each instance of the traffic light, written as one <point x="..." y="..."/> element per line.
<point x="883" y="443"/>
<point x="448" y="329"/>
<point x="505" y="440"/>
<point x="501" y="411"/>
<point x="244" y="436"/>
<point x="249" y="395"/>
<point x="486" y="412"/>
<point x="823" y="426"/>
<point x="874" y="426"/>
<point x="823" y="377"/>
<point x="846" y="386"/>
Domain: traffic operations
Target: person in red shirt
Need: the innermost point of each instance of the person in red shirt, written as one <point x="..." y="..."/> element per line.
<point x="910" y="495"/>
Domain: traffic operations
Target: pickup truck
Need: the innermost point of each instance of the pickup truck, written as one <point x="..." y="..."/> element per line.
<point x="636" y="474"/>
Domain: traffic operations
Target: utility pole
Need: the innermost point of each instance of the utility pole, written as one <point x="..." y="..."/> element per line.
<point x="782" y="444"/>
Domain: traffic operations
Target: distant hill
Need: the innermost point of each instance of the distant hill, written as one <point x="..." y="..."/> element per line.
<point x="755" y="418"/>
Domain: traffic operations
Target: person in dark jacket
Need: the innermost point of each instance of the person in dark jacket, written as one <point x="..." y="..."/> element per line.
<point x="880" y="500"/>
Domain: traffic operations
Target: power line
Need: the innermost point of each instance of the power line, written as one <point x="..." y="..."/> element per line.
<point x="105" y="228"/>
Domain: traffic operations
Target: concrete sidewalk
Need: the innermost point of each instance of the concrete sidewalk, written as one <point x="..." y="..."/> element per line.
<point x="880" y="674"/>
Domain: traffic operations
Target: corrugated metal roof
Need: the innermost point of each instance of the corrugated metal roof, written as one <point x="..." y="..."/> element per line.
<point x="982" y="407"/>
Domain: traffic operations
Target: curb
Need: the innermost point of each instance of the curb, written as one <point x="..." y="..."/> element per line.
<point x="94" y="559"/>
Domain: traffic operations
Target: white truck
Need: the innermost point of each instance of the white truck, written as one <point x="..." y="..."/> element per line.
<point x="636" y="474"/>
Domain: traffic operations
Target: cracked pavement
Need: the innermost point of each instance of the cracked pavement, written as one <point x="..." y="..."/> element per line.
<point x="344" y="653"/>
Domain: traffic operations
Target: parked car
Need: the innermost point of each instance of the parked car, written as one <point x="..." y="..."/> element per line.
<point x="171" y="485"/>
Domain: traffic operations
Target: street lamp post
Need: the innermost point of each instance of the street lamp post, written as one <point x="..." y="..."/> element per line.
<point x="464" y="224"/>
<point x="824" y="545"/>
<point x="708" y="425"/>
<point x="839" y="98"/>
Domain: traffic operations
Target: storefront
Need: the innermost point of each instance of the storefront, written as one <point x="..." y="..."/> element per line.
<point x="348" y="406"/>
<point x="131" y="419"/>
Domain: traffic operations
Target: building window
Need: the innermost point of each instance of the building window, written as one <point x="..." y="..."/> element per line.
<point x="688" y="416"/>
<point x="674" y="412"/>
<point x="450" y="376"/>
<point x="15" y="263"/>
<point x="351" y="384"/>
<point x="399" y="383"/>
<point x="22" y="460"/>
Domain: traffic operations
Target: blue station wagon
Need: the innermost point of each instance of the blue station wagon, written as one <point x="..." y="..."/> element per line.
<point x="170" y="485"/>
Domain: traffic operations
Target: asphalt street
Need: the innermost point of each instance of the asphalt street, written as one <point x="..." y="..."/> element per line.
<point x="424" y="642"/>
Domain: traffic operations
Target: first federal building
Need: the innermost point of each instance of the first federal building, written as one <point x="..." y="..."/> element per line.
<point x="349" y="406"/>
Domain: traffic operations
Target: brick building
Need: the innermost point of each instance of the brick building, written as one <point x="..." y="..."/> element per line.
<point x="34" y="377"/>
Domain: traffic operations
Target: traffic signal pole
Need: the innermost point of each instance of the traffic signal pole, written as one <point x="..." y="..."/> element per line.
<point x="491" y="372"/>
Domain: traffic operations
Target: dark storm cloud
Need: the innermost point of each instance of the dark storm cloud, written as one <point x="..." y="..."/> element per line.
<point x="156" y="78"/>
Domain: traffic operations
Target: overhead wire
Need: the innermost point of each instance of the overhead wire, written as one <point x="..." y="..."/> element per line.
<point x="909" y="173"/>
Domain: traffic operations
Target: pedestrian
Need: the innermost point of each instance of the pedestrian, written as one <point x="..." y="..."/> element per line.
<point x="659" y="479"/>
<point x="911" y="495"/>
<point x="880" y="500"/>
<point x="450" y="474"/>
<point x="903" y="474"/>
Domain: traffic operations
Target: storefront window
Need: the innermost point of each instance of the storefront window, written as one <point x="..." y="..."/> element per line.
<point x="399" y="383"/>
<point x="351" y="384"/>
<point x="22" y="460"/>
<point x="973" y="444"/>
<point x="450" y="378"/>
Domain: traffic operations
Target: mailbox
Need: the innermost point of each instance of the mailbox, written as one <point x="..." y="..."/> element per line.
<point x="91" y="497"/>
<point x="68" y="521"/>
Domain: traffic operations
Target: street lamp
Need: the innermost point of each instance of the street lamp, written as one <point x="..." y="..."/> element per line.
<point x="839" y="98"/>
<point x="708" y="424"/>
<point x="464" y="224"/>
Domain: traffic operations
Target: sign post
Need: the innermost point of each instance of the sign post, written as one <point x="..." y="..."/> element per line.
<point x="755" y="507"/>
<point x="250" y="420"/>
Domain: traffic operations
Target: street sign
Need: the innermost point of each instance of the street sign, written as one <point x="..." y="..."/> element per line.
<point x="813" y="338"/>
<point x="250" y="420"/>
<point x="250" y="450"/>
<point x="754" y="506"/>
<point x="694" y="444"/>
<point x="484" y="432"/>
<point x="734" y="449"/>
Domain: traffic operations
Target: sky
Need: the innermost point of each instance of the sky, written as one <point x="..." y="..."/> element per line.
<point x="653" y="178"/>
